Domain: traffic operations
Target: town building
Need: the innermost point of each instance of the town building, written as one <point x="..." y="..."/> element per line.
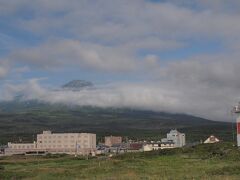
<point x="113" y="140"/>
<point x="179" y="139"/>
<point x="20" y="148"/>
<point x="56" y="143"/>
<point x="158" y="145"/>
<point x="135" y="147"/>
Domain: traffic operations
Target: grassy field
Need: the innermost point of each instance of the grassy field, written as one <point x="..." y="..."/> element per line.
<point x="218" y="161"/>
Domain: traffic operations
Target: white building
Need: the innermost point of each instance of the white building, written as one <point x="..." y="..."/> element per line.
<point x="48" y="142"/>
<point x="211" y="139"/>
<point x="147" y="147"/>
<point x="176" y="137"/>
<point x="158" y="146"/>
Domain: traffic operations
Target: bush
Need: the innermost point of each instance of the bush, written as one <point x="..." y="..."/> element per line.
<point x="1" y="168"/>
<point x="227" y="170"/>
<point x="49" y="155"/>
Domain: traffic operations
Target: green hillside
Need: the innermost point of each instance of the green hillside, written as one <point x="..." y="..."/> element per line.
<point x="23" y="120"/>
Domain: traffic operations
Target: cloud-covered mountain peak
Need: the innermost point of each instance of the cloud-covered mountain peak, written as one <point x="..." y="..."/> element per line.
<point x="77" y="84"/>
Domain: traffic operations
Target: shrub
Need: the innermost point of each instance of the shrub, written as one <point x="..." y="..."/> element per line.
<point x="1" y="168"/>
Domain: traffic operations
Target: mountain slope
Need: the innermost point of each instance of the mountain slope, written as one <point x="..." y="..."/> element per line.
<point x="28" y="119"/>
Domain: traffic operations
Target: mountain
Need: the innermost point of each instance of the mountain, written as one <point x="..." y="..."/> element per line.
<point x="27" y="119"/>
<point x="77" y="84"/>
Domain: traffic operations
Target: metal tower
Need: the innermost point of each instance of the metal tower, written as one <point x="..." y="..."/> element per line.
<point x="237" y="111"/>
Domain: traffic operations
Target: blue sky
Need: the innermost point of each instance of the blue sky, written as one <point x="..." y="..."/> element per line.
<point x="125" y="44"/>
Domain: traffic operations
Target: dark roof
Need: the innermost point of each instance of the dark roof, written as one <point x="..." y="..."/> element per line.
<point x="135" y="146"/>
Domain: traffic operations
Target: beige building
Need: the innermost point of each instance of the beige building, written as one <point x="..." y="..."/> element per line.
<point x="20" y="148"/>
<point x="48" y="142"/>
<point x="111" y="140"/>
<point x="69" y="143"/>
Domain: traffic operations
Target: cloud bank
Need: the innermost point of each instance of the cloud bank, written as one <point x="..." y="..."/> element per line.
<point x="206" y="88"/>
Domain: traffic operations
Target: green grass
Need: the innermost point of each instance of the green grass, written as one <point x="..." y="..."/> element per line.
<point x="218" y="161"/>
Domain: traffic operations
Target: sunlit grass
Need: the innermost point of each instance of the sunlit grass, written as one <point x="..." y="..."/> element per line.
<point x="203" y="162"/>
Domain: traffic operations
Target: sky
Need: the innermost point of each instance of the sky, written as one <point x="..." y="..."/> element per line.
<point x="179" y="56"/>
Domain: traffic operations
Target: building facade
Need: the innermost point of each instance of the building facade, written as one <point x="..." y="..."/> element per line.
<point x="179" y="139"/>
<point x="69" y="143"/>
<point x="20" y="148"/>
<point x="112" y="140"/>
<point x="158" y="145"/>
<point x="48" y="142"/>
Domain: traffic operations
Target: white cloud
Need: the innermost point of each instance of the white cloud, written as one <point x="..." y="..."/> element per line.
<point x="21" y="69"/>
<point x="4" y="68"/>
<point x="62" y="53"/>
<point x="205" y="86"/>
<point x="114" y="95"/>
<point x="107" y="35"/>
<point x="124" y="20"/>
<point x="3" y="72"/>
